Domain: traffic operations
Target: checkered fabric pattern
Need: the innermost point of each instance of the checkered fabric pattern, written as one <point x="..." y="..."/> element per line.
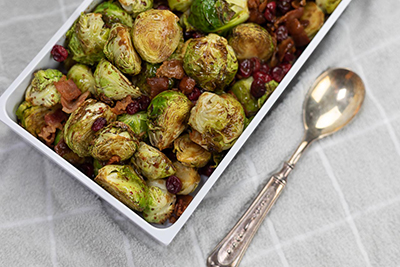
<point x="341" y="206"/>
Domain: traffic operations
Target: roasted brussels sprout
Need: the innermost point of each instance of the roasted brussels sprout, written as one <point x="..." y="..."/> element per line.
<point x="78" y="131"/>
<point x="42" y="91"/>
<point x="251" y="40"/>
<point x="120" y="52"/>
<point x="83" y="78"/>
<point x="111" y="84"/>
<point x="167" y="115"/>
<point x="86" y="39"/>
<point x="241" y="89"/>
<point x="156" y="35"/>
<point x="180" y="5"/>
<point x="211" y="62"/>
<point x="125" y="185"/>
<point x="315" y="17"/>
<point x="216" y="121"/>
<point x="161" y="203"/>
<point x="189" y="153"/>
<point x="328" y="6"/>
<point x="152" y="163"/>
<point x="113" y="13"/>
<point x="217" y="15"/>
<point x="189" y="177"/>
<point x="116" y="139"/>
<point x="32" y="117"/>
<point x="136" y="7"/>
<point x="137" y="122"/>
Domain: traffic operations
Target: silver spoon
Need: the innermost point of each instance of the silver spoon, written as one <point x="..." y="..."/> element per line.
<point x="331" y="103"/>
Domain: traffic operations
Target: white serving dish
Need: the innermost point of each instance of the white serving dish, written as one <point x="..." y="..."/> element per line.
<point x="14" y="95"/>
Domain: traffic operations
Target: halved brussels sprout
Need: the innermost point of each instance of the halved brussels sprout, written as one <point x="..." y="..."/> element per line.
<point x="167" y="117"/>
<point x="125" y="185"/>
<point x="189" y="153"/>
<point x="315" y="17"/>
<point x="152" y="163"/>
<point x="251" y="40"/>
<point x="135" y="7"/>
<point x="328" y="6"/>
<point x="120" y="52"/>
<point x="116" y="139"/>
<point x="32" y="117"/>
<point x="137" y="122"/>
<point x="113" y="13"/>
<point x="156" y="35"/>
<point x="78" y="131"/>
<point x="86" y="39"/>
<point x="180" y="5"/>
<point x="111" y="84"/>
<point x="241" y="89"/>
<point x="189" y="177"/>
<point x="211" y="62"/>
<point x="218" y="15"/>
<point x="216" y="121"/>
<point x="42" y="91"/>
<point x="161" y="202"/>
<point x="83" y="78"/>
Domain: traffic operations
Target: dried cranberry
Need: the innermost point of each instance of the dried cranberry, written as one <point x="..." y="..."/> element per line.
<point x="284" y="6"/>
<point x="99" y="123"/>
<point x="277" y="74"/>
<point x="197" y="35"/>
<point x="59" y="53"/>
<point x="271" y="6"/>
<point x="260" y="76"/>
<point x="173" y="184"/>
<point x="281" y="33"/>
<point x="268" y="78"/>
<point x="207" y="170"/>
<point x="256" y="64"/>
<point x="269" y="16"/>
<point x="286" y="67"/>
<point x="257" y="88"/>
<point x="133" y="107"/>
<point x="87" y="169"/>
<point x="245" y="68"/>
<point x="144" y="102"/>
<point x="163" y="7"/>
<point x="288" y="58"/>
<point x="264" y="68"/>
<point x="195" y="94"/>
<point x="187" y="35"/>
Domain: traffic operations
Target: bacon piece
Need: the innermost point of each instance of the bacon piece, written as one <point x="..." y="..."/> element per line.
<point x="71" y="106"/>
<point x="67" y="89"/>
<point x="182" y="202"/>
<point x="296" y="30"/>
<point x="171" y="69"/>
<point x="53" y="122"/>
<point x="120" y="106"/>
<point x="291" y="15"/>
<point x="186" y="85"/>
<point x="113" y="160"/>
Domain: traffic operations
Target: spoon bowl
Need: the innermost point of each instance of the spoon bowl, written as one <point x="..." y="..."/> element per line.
<point x="332" y="102"/>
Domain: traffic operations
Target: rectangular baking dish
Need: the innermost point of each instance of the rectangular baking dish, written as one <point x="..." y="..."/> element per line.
<point x="14" y="95"/>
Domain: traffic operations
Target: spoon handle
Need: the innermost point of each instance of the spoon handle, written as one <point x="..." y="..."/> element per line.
<point x="231" y="249"/>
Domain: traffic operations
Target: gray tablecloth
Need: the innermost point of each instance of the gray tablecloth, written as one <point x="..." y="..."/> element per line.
<point x="341" y="206"/>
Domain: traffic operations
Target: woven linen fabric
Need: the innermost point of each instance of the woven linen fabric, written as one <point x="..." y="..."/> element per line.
<point x="341" y="206"/>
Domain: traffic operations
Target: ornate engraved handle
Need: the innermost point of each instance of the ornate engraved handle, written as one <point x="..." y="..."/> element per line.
<point x="231" y="249"/>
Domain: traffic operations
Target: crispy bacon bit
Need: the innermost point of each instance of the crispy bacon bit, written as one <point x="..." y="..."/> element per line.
<point x="256" y="16"/>
<point x="113" y="160"/>
<point x="53" y="122"/>
<point x="186" y="85"/>
<point x="120" y="106"/>
<point x="67" y="89"/>
<point x="182" y="201"/>
<point x="71" y="106"/>
<point x="298" y="3"/>
<point x="286" y="46"/>
<point x="171" y="69"/>
<point x="291" y="15"/>
<point x="62" y="148"/>
<point x="157" y="85"/>
<point x="296" y="30"/>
